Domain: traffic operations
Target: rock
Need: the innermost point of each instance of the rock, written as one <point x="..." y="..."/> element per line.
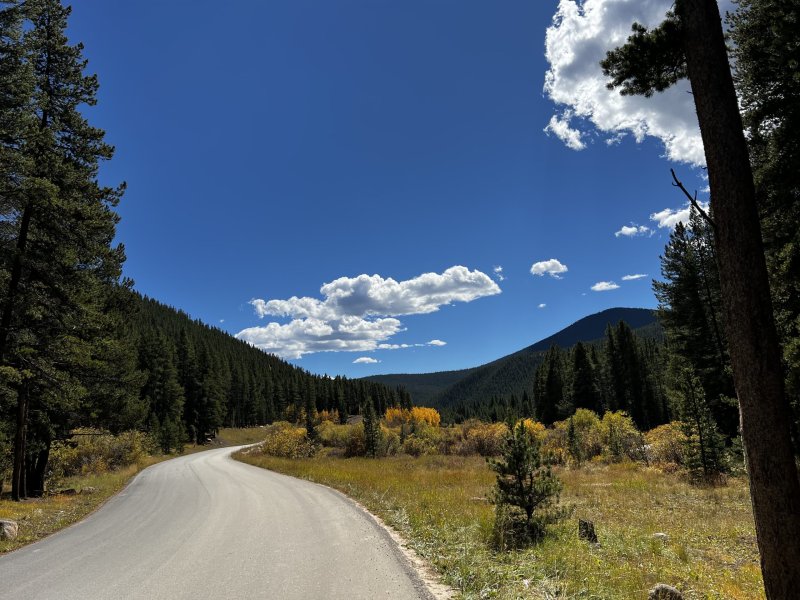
<point x="662" y="591"/>
<point x="586" y="531"/>
<point x="68" y="492"/>
<point x="661" y="536"/>
<point x="88" y="490"/>
<point x="8" y="529"/>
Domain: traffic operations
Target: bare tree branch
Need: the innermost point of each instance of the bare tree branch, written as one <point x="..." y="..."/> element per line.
<point x="693" y="199"/>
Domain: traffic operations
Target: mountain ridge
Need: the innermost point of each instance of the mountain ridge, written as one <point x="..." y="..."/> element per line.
<point x="441" y="389"/>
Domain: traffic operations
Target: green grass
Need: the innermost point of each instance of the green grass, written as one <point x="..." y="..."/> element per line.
<point x="439" y="504"/>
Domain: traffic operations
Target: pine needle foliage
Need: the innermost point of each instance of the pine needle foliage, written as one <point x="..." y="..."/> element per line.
<point x="526" y="491"/>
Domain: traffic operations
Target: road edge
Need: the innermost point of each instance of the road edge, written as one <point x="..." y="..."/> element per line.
<point x="424" y="576"/>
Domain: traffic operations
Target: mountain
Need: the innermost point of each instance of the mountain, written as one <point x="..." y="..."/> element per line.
<point x="513" y="374"/>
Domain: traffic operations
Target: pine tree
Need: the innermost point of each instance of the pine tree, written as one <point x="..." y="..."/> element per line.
<point x="372" y="430"/>
<point x="705" y="446"/>
<point x="525" y="485"/>
<point x="58" y="224"/>
<point x="690" y="43"/>
<point x="585" y="390"/>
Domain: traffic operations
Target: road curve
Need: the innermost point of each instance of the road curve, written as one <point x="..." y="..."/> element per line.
<point x="206" y="526"/>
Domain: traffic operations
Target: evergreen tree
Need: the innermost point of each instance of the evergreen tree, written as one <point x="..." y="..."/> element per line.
<point x="690" y="43"/>
<point x="585" y="389"/>
<point x="525" y="484"/>
<point x="58" y="225"/>
<point x="372" y="430"/>
<point x="705" y="447"/>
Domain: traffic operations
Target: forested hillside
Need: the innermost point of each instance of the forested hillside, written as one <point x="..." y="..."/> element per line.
<point x="513" y="374"/>
<point x="198" y="378"/>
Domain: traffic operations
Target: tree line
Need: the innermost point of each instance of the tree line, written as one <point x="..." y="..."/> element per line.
<point x="622" y="372"/>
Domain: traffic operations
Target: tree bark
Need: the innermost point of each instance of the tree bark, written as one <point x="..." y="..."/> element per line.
<point x="18" y="470"/>
<point x="753" y="341"/>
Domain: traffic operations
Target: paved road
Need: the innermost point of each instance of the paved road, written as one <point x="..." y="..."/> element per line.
<point x="206" y="526"/>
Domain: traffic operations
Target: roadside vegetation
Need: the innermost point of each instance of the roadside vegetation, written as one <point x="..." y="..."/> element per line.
<point x="655" y="520"/>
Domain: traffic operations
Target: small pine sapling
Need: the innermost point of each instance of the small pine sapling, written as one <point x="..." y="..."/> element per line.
<point x="526" y="491"/>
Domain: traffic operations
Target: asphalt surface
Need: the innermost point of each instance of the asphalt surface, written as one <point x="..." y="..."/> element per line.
<point x="206" y="526"/>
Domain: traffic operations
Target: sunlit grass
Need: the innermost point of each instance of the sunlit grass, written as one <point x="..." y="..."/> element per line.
<point x="239" y="436"/>
<point x="439" y="504"/>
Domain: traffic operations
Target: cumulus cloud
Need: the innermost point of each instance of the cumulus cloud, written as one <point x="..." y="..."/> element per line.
<point x="632" y="230"/>
<point x="552" y="267"/>
<point x="577" y="40"/>
<point x="542" y="305"/>
<point x="560" y="128"/>
<point x="669" y="218"/>
<point x="357" y="314"/>
<point x="604" y="286"/>
<point x="498" y="273"/>
<point x="437" y="343"/>
<point x="365" y="360"/>
<point x="634" y="277"/>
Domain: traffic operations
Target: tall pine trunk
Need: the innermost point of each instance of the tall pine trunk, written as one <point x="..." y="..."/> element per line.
<point x="754" y="350"/>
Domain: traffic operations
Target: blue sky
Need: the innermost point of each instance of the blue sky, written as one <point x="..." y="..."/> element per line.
<point x="271" y="148"/>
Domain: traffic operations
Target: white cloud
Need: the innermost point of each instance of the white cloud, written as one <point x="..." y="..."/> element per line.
<point x="437" y="343"/>
<point x="542" y="305"/>
<point x="498" y="273"/>
<point x="365" y="360"/>
<point x="578" y="39"/>
<point x="357" y="314"/>
<point x="553" y="267"/>
<point x="632" y="230"/>
<point x="604" y="286"/>
<point x="634" y="277"/>
<point x="560" y="127"/>
<point x="669" y="218"/>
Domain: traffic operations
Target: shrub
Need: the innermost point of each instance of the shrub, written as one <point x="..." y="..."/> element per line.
<point x="287" y="441"/>
<point x="93" y="451"/>
<point x="665" y="445"/>
<point x="486" y="439"/>
<point x="576" y="439"/>
<point x="417" y="446"/>
<point x="397" y="417"/>
<point x="620" y="437"/>
<point x="526" y="491"/>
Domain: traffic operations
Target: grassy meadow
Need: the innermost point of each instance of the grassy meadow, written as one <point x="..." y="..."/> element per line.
<point x="439" y="504"/>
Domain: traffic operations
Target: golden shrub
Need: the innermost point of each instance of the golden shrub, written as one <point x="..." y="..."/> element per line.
<point x="397" y="417"/>
<point x="287" y="441"/>
<point x="665" y="444"/>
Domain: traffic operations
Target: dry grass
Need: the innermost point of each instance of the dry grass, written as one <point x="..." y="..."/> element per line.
<point x="439" y="504"/>
<point x="237" y="437"/>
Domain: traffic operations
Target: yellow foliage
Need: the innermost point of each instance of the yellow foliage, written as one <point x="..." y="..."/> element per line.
<point x="486" y="439"/>
<point x="620" y="437"/>
<point x="331" y="416"/>
<point x="396" y="417"/>
<point x="287" y="441"/>
<point x="92" y="452"/>
<point x="665" y="444"/>
<point x="420" y="414"/>
<point x="536" y="429"/>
